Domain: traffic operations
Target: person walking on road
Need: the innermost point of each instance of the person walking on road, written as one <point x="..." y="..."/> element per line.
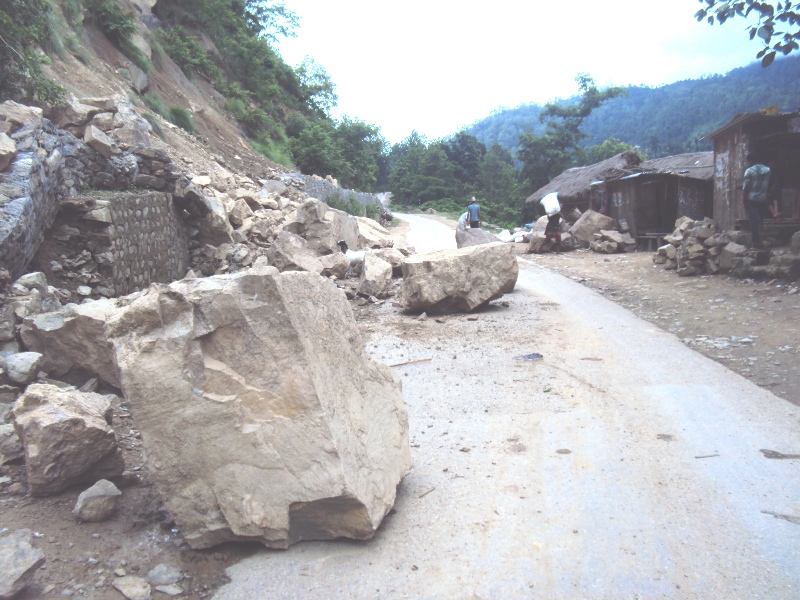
<point x="756" y="193"/>
<point x="474" y="214"/>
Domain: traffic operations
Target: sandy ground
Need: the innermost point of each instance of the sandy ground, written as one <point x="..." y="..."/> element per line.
<point x="751" y="327"/>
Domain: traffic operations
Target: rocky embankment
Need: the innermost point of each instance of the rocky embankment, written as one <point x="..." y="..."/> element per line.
<point x="178" y="349"/>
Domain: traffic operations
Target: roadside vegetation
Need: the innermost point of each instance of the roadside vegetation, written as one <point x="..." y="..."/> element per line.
<point x="285" y="111"/>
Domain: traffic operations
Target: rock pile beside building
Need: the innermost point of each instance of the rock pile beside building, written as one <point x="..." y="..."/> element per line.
<point x="700" y="247"/>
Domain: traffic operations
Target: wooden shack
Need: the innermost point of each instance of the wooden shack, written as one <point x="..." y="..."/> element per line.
<point x="584" y="187"/>
<point x="774" y="136"/>
<point x="663" y="190"/>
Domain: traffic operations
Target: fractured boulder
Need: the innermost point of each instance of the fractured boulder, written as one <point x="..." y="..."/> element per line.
<point x="67" y="438"/>
<point x="376" y="275"/>
<point x="73" y="337"/>
<point x="261" y="416"/>
<point x="290" y="252"/>
<point x="458" y="280"/>
<point x="590" y="222"/>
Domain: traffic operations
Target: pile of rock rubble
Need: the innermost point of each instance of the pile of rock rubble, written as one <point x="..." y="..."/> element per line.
<point x="701" y="247"/>
<point x="260" y="415"/>
<point x="590" y="229"/>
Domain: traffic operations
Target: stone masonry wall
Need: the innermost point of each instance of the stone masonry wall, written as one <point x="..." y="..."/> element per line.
<point x="149" y="241"/>
<point x="322" y="189"/>
<point x="52" y="166"/>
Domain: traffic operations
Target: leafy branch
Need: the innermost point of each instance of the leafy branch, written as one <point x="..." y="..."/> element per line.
<point x="777" y="25"/>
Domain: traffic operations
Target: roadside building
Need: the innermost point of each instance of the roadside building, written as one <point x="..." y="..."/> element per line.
<point x="584" y="187"/>
<point x="663" y="190"/>
<point x="767" y="133"/>
<point x="648" y="195"/>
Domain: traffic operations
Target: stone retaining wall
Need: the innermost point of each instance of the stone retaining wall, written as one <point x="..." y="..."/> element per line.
<point x="322" y="189"/>
<point x="53" y="166"/>
<point x="149" y="242"/>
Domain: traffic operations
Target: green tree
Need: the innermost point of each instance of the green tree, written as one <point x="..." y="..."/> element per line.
<point x="466" y="154"/>
<point x="497" y="178"/>
<point x="361" y="146"/>
<point x="315" y="150"/>
<point x="316" y="87"/>
<point x="24" y="25"/>
<point x="777" y="23"/>
<point x="545" y="156"/>
<point x="611" y="147"/>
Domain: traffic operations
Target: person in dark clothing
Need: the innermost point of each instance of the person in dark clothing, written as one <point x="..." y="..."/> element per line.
<point x="756" y="192"/>
<point x="553" y="229"/>
<point x="474" y="214"/>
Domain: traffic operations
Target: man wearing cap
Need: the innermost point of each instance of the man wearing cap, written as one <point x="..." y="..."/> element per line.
<point x="756" y="191"/>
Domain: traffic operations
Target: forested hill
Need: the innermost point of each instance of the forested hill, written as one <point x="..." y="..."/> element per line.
<point x="666" y="120"/>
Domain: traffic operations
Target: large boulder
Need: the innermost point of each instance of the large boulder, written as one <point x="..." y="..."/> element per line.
<point x="334" y="265"/>
<point x="19" y="561"/>
<point x="473" y="237"/>
<point x="97" y="139"/>
<point x="261" y="416"/>
<point x="458" y="280"/>
<point x="67" y="438"/>
<point x="729" y="254"/>
<point x="376" y="275"/>
<point x="207" y="214"/>
<point x="17" y="115"/>
<point x="394" y="257"/>
<point x="22" y="368"/>
<point x="323" y="227"/>
<point x="290" y="252"/>
<point x="372" y="234"/>
<point x="591" y="222"/>
<point x="74" y="338"/>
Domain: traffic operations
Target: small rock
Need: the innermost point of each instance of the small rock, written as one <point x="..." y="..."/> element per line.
<point x="19" y="561"/>
<point x="84" y="290"/>
<point x="133" y="588"/>
<point x="170" y="590"/>
<point x="97" y="503"/>
<point x="164" y="574"/>
<point x="23" y="367"/>
<point x="10" y="444"/>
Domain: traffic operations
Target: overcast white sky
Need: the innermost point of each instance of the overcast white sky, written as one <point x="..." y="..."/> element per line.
<point x="439" y="65"/>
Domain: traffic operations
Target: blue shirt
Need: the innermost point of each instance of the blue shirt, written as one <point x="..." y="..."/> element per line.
<point x="474" y="212"/>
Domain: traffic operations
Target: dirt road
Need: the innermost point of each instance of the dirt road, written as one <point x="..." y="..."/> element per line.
<point x="621" y="464"/>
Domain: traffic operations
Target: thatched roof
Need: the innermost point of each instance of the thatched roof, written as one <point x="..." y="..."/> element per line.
<point x="572" y="182"/>
<point x="697" y="165"/>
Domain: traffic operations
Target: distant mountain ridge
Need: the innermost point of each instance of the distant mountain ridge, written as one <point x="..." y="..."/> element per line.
<point x="670" y="119"/>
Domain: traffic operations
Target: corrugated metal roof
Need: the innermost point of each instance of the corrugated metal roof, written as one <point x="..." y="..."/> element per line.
<point x="743" y="118"/>
<point x="695" y="165"/>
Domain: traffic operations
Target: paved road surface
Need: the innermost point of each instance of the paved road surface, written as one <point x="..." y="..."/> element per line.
<point x="622" y="465"/>
<point x="428" y="235"/>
